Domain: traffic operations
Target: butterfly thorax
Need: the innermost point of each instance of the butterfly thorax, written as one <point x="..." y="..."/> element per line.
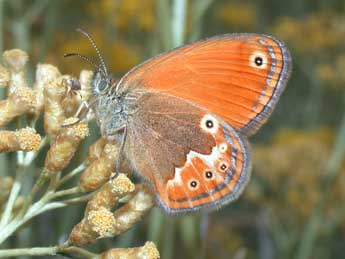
<point x="112" y="110"/>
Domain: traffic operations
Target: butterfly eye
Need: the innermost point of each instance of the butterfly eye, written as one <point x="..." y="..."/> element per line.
<point x="258" y="60"/>
<point x="100" y="83"/>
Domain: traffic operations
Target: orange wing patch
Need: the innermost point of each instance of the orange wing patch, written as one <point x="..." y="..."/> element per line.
<point x="237" y="77"/>
<point x="209" y="180"/>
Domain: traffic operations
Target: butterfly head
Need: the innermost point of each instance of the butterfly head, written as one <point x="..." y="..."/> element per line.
<point x="102" y="80"/>
<point x="102" y="83"/>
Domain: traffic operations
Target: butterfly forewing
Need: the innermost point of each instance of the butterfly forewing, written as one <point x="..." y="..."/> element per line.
<point x="238" y="77"/>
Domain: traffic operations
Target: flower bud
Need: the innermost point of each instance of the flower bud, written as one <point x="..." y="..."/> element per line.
<point x="25" y="139"/>
<point x="45" y="74"/>
<point x="100" y="169"/>
<point x="65" y="145"/>
<point x="4" y="76"/>
<point x="99" y="221"/>
<point x="148" y="251"/>
<point x="15" y="60"/>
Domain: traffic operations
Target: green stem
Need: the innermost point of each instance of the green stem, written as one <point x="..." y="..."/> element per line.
<point x="178" y="22"/>
<point x="70" y="175"/>
<point x="310" y="232"/>
<point x="10" y="204"/>
<point x="70" y="251"/>
<point x="198" y="10"/>
<point x="1" y="26"/>
<point x="164" y="28"/>
<point x="79" y="199"/>
<point x="65" y="192"/>
<point x="35" y="251"/>
<point x="76" y="252"/>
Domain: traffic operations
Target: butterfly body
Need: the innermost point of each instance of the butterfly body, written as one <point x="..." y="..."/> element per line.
<point x="183" y="118"/>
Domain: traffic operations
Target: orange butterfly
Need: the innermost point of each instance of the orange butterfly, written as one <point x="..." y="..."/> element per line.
<point x="183" y="117"/>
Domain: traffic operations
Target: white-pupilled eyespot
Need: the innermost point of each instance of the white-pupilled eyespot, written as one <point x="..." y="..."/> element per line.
<point x="209" y="175"/>
<point x="223" y="166"/>
<point x="223" y="147"/>
<point x="193" y="184"/>
<point x="258" y="60"/>
<point x="209" y="124"/>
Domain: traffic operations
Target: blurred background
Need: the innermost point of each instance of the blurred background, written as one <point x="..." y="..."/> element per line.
<point x="294" y="206"/>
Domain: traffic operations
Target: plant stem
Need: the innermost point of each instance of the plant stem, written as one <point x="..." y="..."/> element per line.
<point x="35" y="251"/>
<point x="10" y="204"/>
<point x="79" y="199"/>
<point x="70" y="175"/>
<point x="70" y="251"/>
<point x="65" y="192"/>
<point x="198" y="10"/>
<point x="76" y="252"/>
<point x="1" y="26"/>
<point x="164" y="28"/>
<point x="178" y="22"/>
<point x="333" y="168"/>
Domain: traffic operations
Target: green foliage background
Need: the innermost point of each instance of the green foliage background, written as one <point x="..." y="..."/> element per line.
<point x="294" y="205"/>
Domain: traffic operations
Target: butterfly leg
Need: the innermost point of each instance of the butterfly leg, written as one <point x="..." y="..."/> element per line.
<point x="122" y="145"/>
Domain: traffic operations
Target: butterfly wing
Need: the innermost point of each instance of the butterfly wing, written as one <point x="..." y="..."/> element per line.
<point x="238" y="77"/>
<point x="191" y="157"/>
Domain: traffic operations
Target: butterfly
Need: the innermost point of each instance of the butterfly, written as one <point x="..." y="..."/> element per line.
<point x="183" y="118"/>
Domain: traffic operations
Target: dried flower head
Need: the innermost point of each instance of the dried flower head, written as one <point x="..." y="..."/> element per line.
<point x="100" y="169"/>
<point x="54" y="115"/>
<point x="4" y="76"/>
<point x="102" y="221"/>
<point x="15" y="60"/>
<point x="25" y="139"/>
<point x="148" y="251"/>
<point x="20" y="101"/>
<point x="65" y="145"/>
<point x="85" y="80"/>
<point x="96" y="150"/>
<point x="45" y="73"/>
<point x="87" y="231"/>
<point x="134" y="209"/>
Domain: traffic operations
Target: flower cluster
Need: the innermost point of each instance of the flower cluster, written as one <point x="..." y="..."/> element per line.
<point x="114" y="203"/>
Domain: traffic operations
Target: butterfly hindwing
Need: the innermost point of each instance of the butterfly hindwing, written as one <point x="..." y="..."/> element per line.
<point x="176" y="145"/>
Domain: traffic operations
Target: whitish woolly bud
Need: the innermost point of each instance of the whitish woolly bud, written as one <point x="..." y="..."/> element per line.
<point x="100" y="169"/>
<point x="85" y="80"/>
<point x="98" y="212"/>
<point x="15" y="60"/>
<point x="45" y="74"/>
<point x="25" y="139"/>
<point x="96" y="150"/>
<point x="102" y="222"/>
<point x="148" y="251"/>
<point x="110" y="193"/>
<point x="72" y="99"/>
<point x="4" y="76"/>
<point x="130" y="213"/>
<point x="54" y="115"/>
<point x="65" y="145"/>
<point x="21" y="101"/>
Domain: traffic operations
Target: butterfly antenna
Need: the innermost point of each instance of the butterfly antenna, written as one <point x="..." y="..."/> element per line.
<point x="85" y="58"/>
<point x="93" y="43"/>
